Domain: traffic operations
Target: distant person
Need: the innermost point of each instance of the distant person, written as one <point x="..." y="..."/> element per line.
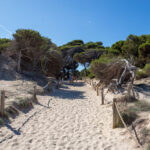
<point x="70" y="78"/>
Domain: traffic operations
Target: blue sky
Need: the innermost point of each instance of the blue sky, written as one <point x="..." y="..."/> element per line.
<point x="65" y="20"/>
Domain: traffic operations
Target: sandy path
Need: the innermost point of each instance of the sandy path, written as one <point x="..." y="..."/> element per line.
<point x="74" y="121"/>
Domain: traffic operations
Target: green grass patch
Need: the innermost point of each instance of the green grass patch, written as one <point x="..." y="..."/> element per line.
<point x="11" y="111"/>
<point x="142" y="106"/>
<point x="24" y="103"/>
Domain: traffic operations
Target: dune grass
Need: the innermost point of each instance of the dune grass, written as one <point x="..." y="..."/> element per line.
<point x="131" y="113"/>
<point x="23" y="103"/>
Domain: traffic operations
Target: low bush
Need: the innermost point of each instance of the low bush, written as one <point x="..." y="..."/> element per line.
<point x="24" y="103"/>
<point x="129" y="115"/>
<point x="140" y="75"/>
<point x="144" y="73"/>
<point x="142" y="106"/>
<point x="127" y="98"/>
<point x="11" y="111"/>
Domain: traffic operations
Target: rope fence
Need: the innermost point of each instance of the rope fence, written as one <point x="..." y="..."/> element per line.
<point x="117" y="117"/>
<point x="32" y="90"/>
<point x="4" y="96"/>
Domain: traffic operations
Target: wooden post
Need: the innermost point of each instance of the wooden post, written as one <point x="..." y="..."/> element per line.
<point x="133" y="91"/>
<point x="114" y="113"/>
<point x="34" y="94"/>
<point x="97" y="92"/>
<point x="102" y="96"/>
<point x="2" y="104"/>
<point x="129" y="90"/>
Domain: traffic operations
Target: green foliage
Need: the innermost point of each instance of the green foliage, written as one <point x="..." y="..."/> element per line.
<point x="130" y="46"/>
<point x="84" y="73"/>
<point x="75" y="43"/>
<point x="80" y="57"/>
<point x="27" y="37"/>
<point x="11" y="111"/>
<point x="114" y="51"/>
<point x="140" y="75"/>
<point x="72" y="44"/>
<point x="103" y="59"/>
<point x="94" y="45"/>
<point x="4" y="44"/>
<point x="145" y="72"/>
<point x="145" y="38"/>
<point x="146" y="69"/>
<point x="118" y="46"/>
<point x="98" y="65"/>
<point x="87" y="56"/>
<point x="52" y="63"/>
<point x="91" y="75"/>
<point x="144" y="51"/>
<point x="24" y="103"/>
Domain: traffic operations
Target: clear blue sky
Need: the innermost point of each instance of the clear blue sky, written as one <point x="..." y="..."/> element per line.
<point x="65" y="20"/>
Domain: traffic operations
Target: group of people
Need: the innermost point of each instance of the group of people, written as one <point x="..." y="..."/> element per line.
<point x="69" y="76"/>
<point x="72" y="78"/>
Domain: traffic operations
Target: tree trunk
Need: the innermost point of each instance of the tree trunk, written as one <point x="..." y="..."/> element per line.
<point x="85" y="70"/>
<point x="19" y="62"/>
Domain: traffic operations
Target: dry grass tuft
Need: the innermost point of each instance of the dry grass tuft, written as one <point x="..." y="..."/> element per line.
<point x="23" y="103"/>
<point x="129" y="116"/>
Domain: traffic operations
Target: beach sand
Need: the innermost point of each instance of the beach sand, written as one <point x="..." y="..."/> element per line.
<point x="72" y="118"/>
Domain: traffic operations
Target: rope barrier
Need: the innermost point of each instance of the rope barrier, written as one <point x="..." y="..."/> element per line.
<point x="135" y="139"/>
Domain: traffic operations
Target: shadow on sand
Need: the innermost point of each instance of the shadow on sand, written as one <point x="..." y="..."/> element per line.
<point x="65" y="93"/>
<point x="143" y="88"/>
<point x="77" y="84"/>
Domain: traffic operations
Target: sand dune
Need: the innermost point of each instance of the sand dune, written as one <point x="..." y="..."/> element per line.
<point x="75" y="120"/>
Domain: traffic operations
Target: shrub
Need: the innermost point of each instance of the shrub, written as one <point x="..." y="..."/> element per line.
<point x="127" y="98"/>
<point x="144" y="73"/>
<point x="146" y="69"/>
<point x="129" y="116"/>
<point x="11" y="111"/>
<point x="91" y="76"/>
<point x="4" y="44"/>
<point x="143" y="106"/>
<point x="140" y="75"/>
<point x="144" y="50"/>
<point x="23" y="103"/>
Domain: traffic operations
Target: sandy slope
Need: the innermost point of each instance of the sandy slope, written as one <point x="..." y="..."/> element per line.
<point x="74" y="121"/>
